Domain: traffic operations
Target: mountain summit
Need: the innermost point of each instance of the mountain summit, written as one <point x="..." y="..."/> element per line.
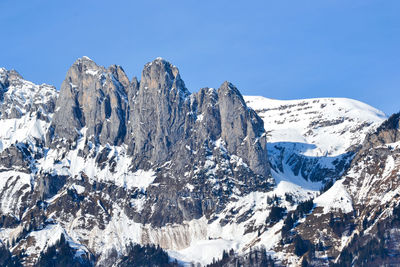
<point x="110" y="171"/>
<point x="160" y="155"/>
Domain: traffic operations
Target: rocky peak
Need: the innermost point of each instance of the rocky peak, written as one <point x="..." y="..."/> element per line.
<point x="386" y="133"/>
<point x="227" y="89"/>
<point x="20" y="97"/>
<point x="119" y="74"/>
<point x="241" y="127"/>
<point x="92" y="97"/>
<point x="7" y="77"/>
<point x="389" y="130"/>
<point x="162" y="75"/>
<point x="157" y="118"/>
<point x="157" y="113"/>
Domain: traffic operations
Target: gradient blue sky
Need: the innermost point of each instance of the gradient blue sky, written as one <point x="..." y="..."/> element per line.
<point x="278" y="49"/>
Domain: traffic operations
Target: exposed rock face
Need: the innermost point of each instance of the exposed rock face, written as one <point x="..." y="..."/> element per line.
<point x="117" y="161"/>
<point x="157" y="118"/>
<point x="387" y="133"/>
<point x="165" y="119"/>
<point x="179" y="134"/>
<point x="91" y="97"/>
<point x="158" y="114"/>
<point x="119" y="152"/>
<point x="242" y="129"/>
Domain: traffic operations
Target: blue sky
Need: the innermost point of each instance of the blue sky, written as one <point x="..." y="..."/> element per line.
<point x="278" y="49"/>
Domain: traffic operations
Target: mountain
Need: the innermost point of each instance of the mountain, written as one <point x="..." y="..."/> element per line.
<point x="108" y="167"/>
<point x="314" y="139"/>
<point x="26" y="109"/>
<point x="124" y="162"/>
<point x="356" y="221"/>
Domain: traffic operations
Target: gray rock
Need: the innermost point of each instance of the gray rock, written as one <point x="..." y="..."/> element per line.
<point x="92" y="97"/>
<point x="158" y="114"/>
<point x="15" y="158"/>
<point x="209" y="139"/>
<point x="157" y="118"/>
<point x="242" y="129"/>
<point x="165" y="119"/>
<point x="388" y="132"/>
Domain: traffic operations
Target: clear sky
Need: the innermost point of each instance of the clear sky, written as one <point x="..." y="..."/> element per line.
<point x="278" y="49"/>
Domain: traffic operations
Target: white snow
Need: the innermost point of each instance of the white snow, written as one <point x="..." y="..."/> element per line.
<point x="320" y="131"/>
<point x="301" y="121"/>
<point x="11" y="186"/>
<point x="23" y="95"/>
<point x="140" y="179"/>
<point x="202" y="251"/>
<point x="389" y="167"/>
<point x="86" y="58"/>
<point x="24" y="129"/>
<point x="335" y="198"/>
<point x="49" y="236"/>
<point x="79" y="189"/>
<point x="92" y="72"/>
<point x="190" y="187"/>
<point x="73" y="165"/>
<point x="200" y="117"/>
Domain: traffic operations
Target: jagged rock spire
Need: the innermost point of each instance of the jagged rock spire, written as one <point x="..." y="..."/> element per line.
<point x="162" y="75"/>
<point x="242" y="129"/>
<point x="157" y="118"/>
<point x="92" y="97"/>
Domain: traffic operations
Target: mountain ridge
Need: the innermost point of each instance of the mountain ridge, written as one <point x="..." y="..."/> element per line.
<point x="151" y="163"/>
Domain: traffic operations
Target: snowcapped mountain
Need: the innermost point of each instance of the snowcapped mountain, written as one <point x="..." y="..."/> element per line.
<point x="332" y="126"/>
<point x="26" y="109"/>
<point x="313" y="140"/>
<point x="107" y="162"/>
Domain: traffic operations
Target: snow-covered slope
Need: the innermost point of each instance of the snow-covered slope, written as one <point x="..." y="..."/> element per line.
<point x="326" y="126"/>
<point x="360" y="214"/>
<point x="313" y="139"/>
<point x="316" y="140"/>
<point x="94" y="194"/>
<point x="91" y="193"/>
<point x="26" y="109"/>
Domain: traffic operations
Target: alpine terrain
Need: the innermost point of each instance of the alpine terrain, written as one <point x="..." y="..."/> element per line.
<point x="112" y="171"/>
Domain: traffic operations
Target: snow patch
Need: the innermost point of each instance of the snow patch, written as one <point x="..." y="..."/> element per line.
<point x="92" y="72"/>
<point x="49" y="236"/>
<point x="335" y="198"/>
<point x="79" y="189"/>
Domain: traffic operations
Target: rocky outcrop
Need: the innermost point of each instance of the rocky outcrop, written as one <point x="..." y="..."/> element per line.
<point x="199" y="152"/>
<point x="20" y="97"/>
<point x="149" y="162"/>
<point x="157" y="118"/>
<point x="388" y="132"/>
<point x="242" y="129"/>
<point x="158" y="114"/>
<point x="91" y="98"/>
